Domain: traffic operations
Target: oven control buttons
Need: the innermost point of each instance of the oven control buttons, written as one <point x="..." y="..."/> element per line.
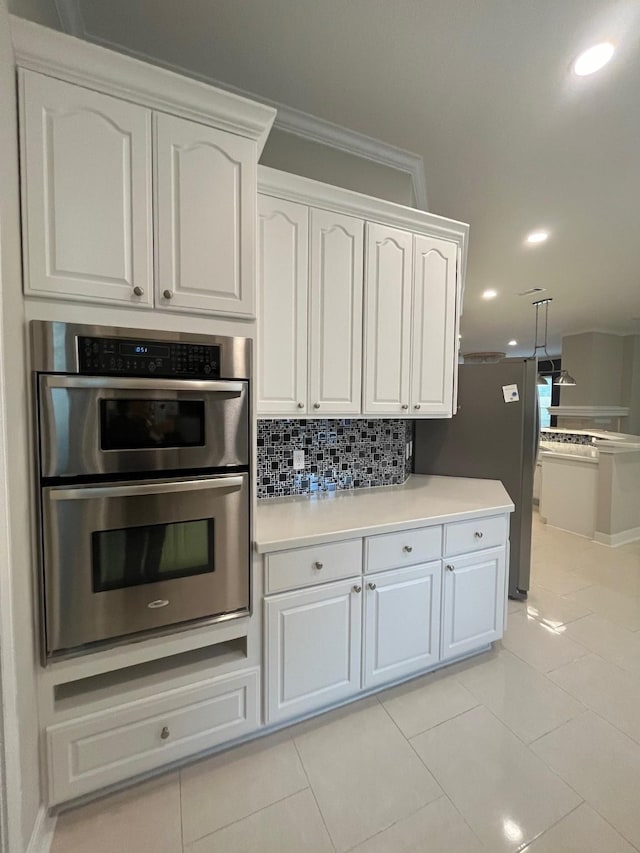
<point x="109" y="356"/>
<point x="159" y="602"/>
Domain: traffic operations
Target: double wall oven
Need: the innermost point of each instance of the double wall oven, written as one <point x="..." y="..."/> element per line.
<point x="143" y="452"/>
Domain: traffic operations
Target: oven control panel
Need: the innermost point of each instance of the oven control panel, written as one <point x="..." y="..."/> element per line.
<point x="122" y="357"/>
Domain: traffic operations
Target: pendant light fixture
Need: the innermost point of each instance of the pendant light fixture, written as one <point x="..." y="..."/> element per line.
<point x="565" y="377"/>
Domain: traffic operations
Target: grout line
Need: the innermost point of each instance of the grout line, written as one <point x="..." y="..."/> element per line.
<point x="313" y="794"/>
<point x="523" y="847"/>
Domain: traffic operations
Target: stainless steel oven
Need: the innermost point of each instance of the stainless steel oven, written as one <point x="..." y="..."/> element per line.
<point x="143" y="448"/>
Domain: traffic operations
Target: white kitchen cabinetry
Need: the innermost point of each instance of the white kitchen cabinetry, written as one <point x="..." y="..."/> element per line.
<point x="473" y="598"/>
<point x="100" y="749"/>
<point x="313" y="648"/>
<point x="433" y="342"/>
<point x="401" y="622"/>
<point x="335" y="317"/>
<point x="86" y="167"/>
<point x="206" y="218"/>
<point x="283" y="260"/>
<point x="388" y="278"/>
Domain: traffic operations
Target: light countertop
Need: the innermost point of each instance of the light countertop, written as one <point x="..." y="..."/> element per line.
<point x="564" y="450"/>
<point x="290" y="522"/>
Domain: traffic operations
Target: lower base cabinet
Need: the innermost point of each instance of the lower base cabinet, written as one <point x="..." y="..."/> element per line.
<point x="473" y="599"/>
<point x="401" y="622"/>
<point x="100" y="749"/>
<point x="313" y="648"/>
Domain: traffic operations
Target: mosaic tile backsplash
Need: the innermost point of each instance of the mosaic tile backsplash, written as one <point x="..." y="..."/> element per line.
<point x="566" y="437"/>
<point x="339" y="454"/>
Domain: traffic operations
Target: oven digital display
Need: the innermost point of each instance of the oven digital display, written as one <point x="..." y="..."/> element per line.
<point x="131" y="348"/>
<point x="131" y="556"/>
<point x="127" y="424"/>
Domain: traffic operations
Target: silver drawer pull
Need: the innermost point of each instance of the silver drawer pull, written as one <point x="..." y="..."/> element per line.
<point x="318" y="565"/>
<point x="301" y="405"/>
<point x="138" y="291"/>
<point x="405" y="406"/>
<point x="478" y="534"/>
<point x="450" y="568"/>
<point x="407" y="549"/>
<point x="168" y="294"/>
<point x="158" y="603"/>
<point x="164" y="734"/>
<point x="357" y="588"/>
<point x="372" y="586"/>
<point x="316" y="405"/>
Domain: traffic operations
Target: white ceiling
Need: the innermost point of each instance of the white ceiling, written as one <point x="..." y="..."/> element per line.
<point x="482" y="89"/>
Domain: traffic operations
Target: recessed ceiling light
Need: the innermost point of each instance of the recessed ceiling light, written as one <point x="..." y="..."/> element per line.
<point x="537" y="237"/>
<point x="489" y="294"/>
<point x="513" y="343"/>
<point x="593" y="59"/>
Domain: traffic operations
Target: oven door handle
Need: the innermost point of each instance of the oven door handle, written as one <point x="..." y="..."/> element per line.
<point x="135" y="384"/>
<point x="80" y="493"/>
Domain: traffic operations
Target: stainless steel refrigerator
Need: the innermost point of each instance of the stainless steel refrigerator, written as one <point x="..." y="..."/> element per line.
<point x="491" y="439"/>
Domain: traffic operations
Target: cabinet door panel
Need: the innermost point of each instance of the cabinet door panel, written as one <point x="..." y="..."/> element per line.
<point x="86" y="162"/>
<point x="282" y="306"/>
<point x="387" y="320"/>
<point x="473" y="601"/>
<point x="206" y="218"/>
<point x="434" y="315"/>
<point x="313" y="648"/>
<point x="402" y="622"/>
<point x="336" y="313"/>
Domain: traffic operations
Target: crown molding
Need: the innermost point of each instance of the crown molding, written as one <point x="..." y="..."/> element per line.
<point x="71" y="17"/>
<point x="296" y="188"/>
<point x="288" y="119"/>
<point x="78" y="61"/>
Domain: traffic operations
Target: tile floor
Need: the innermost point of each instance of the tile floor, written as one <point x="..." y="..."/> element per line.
<point x="534" y="746"/>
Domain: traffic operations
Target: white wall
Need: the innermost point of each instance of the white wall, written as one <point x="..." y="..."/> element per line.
<point x="41" y="11"/>
<point x="16" y="578"/>
<point x="300" y="156"/>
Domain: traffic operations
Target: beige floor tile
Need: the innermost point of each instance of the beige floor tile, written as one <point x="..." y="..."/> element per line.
<point x="437" y="828"/>
<point x="426" y="702"/>
<point x="539" y="645"/>
<point x="619" y="607"/>
<point x="609" y="640"/>
<point x="365" y="775"/>
<point x="504" y="792"/>
<point x="237" y="783"/>
<point x="557" y="580"/>
<point x="606" y="689"/>
<point x="582" y="831"/>
<point x="552" y="609"/>
<point x="143" y="819"/>
<point x="293" y="825"/>
<point x="602" y="764"/>
<point x="520" y="696"/>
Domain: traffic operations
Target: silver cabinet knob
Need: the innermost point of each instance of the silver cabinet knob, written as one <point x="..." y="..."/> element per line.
<point x="318" y="565"/>
<point x="138" y="291"/>
<point x="372" y="586"/>
<point x="417" y="406"/>
<point x="449" y="567"/>
<point x="316" y="405"/>
<point x="407" y="549"/>
<point x="301" y="405"/>
<point x="478" y="534"/>
<point x="168" y="294"/>
<point x="164" y="734"/>
<point x="405" y="406"/>
<point x="357" y="588"/>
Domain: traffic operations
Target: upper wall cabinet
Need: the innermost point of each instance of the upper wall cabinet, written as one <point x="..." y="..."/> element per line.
<point x="206" y="215"/>
<point x="384" y="289"/>
<point x="87" y="207"/>
<point x="119" y="156"/>
<point x="283" y="261"/>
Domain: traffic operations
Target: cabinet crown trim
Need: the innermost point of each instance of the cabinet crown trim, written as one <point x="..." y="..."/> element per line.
<point x="273" y="182"/>
<point x="67" y="58"/>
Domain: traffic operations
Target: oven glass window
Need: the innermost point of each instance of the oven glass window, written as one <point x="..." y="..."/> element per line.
<point x="144" y="424"/>
<point x="136" y="555"/>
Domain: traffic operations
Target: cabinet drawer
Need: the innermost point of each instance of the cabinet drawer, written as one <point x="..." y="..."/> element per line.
<point x="474" y="535"/>
<point x="100" y="749"/>
<point x="406" y="548"/>
<point x="316" y="564"/>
